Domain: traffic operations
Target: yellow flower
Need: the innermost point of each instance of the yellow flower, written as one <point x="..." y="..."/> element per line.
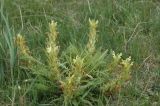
<point x="78" y="60"/>
<point x="127" y="63"/>
<point x="71" y="79"/>
<point x="117" y="57"/>
<point x="93" y="23"/>
<point x="78" y="65"/>
<point x="49" y="49"/>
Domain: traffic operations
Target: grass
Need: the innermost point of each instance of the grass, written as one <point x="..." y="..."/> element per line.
<point x="130" y="27"/>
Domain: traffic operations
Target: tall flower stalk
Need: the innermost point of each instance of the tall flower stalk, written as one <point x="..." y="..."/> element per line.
<point x="70" y="86"/>
<point x="53" y="50"/>
<point x="23" y="51"/>
<point x="92" y="35"/>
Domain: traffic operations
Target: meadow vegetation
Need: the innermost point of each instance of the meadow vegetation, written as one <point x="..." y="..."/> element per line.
<point x="79" y="53"/>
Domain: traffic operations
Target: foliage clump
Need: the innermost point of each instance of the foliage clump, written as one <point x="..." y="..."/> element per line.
<point x="76" y="73"/>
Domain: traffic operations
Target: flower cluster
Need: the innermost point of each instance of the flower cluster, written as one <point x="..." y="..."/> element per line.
<point x="116" y="58"/>
<point x="120" y="71"/>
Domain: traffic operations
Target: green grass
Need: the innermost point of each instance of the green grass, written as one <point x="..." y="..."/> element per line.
<point x="128" y="26"/>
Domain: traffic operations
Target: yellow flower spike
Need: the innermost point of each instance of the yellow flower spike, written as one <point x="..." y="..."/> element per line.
<point x="23" y="51"/>
<point x="21" y="44"/>
<point x="53" y="50"/>
<point x="73" y="81"/>
<point x="92" y="35"/>
<point x="69" y="86"/>
<point x="53" y="30"/>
